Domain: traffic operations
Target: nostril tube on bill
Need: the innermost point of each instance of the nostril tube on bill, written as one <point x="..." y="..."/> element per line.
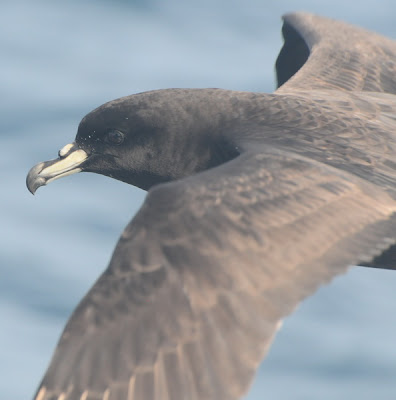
<point x="65" y="150"/>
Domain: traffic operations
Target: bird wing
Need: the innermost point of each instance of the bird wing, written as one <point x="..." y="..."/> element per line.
<point x="202" y="276"/>
<point x="321" y="53"/>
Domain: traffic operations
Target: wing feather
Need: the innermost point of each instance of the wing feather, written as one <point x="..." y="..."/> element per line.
<point x="321" y="53"/>
<point x="202" y="276"/>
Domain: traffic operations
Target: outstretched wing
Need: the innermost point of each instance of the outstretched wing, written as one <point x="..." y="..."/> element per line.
<point x="203" y="274"/>
<point x="320" y="53"/>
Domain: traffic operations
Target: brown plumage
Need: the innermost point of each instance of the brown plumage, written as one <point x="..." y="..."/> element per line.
<point x="254" y="201"/>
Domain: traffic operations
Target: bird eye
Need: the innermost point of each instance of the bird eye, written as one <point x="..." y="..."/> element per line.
<point x="114" y="137"/>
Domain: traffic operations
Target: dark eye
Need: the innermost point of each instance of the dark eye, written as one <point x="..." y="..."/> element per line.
<point x="114" y="137"/>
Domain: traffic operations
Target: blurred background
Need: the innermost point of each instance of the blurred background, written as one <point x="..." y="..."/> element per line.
<point x="60" y="59"/>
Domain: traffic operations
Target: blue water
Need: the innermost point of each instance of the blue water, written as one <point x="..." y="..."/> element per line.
<point x="61" y="59"/>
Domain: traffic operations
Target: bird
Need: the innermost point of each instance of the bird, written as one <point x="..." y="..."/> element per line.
<point x="254" y="201"/>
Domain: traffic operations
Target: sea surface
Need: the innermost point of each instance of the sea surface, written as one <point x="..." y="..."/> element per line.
<point x="59" y="60"/>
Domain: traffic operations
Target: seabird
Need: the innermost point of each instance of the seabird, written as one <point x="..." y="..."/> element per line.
<point x="254" y="201"/>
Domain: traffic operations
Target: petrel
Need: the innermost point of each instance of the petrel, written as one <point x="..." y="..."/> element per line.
<point x="254" y="201"/>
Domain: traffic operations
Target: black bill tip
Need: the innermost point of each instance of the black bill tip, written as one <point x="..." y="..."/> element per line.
<point x="33" y="179"/>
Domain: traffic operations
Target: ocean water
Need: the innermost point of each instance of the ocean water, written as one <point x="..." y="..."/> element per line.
<point x="62" y="59"/>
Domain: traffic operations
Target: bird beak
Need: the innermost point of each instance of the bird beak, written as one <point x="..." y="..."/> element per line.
<point x="69" y="162"/>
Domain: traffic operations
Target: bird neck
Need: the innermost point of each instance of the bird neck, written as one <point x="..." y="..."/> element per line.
<point x="203" y="133"/>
